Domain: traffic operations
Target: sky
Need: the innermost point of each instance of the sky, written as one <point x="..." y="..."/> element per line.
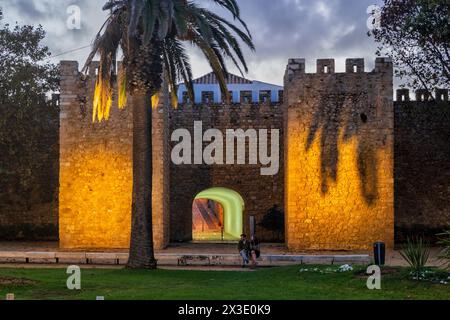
<point x="281" y="29"/>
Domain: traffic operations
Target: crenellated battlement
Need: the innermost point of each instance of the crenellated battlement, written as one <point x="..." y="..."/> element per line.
<point x="422" y="95"/>
<point x="297" y="66"/>
<point x="258" y="96"/>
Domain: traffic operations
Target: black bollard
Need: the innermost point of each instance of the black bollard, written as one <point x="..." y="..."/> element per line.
<point x="379" y="253"/>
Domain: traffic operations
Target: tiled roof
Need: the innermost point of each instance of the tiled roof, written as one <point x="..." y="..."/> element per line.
<point x="211" y="78"/>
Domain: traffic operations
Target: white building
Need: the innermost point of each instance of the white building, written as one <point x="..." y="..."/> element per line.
<point x="242" y="90"/>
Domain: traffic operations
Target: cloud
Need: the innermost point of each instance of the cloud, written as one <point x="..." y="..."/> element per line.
<point x="52" y="15"/>
<point x="281" y="30"/>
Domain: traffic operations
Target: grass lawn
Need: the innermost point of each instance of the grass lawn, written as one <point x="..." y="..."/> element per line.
<point x="285" y="283"/>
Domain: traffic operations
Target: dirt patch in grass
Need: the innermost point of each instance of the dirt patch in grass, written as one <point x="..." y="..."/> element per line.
<point x="12" y="281"/>
<point x="385" y="271"/>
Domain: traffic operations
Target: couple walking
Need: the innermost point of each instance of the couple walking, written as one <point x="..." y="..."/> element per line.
<point x="249" y="249"/>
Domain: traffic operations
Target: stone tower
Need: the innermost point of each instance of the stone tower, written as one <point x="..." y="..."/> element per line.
<point x="96" y="168"/>
<point x="339" y="155"/>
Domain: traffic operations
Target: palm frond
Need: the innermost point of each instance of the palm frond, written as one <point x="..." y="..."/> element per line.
<point x="216" y="62"/>
<point x="233" y="8"/>
<point x="106" y="45"/>
<point x="102" y="100"/>
<point x="151" y="34"/>
<point x="136" y="8"/>
<point x="122" y="86"/>
<point x="217" y="33"/>
<point x="171" y="76"/>
<point x="178" y="64"/>
<point x="155" y="100"/>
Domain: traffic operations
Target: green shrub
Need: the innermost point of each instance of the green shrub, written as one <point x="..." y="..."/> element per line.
<point x="416" y="253"/>
<point x="445" y="242"/>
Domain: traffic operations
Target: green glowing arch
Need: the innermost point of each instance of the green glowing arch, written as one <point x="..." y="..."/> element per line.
<point x="233" y="206"/>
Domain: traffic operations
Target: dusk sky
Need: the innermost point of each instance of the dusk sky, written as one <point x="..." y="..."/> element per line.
<point x="281" y="29"/>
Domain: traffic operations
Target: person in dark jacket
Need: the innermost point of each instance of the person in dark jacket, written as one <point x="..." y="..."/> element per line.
<point x="244" y="249"/>
<point x="255" y="250"/>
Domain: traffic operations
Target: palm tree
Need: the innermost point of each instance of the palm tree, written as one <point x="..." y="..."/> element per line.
<point x="151" y="35"/>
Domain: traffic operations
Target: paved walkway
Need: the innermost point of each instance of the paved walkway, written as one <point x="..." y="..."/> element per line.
<point x="191" y="255"/>
<point x="218" y="248"/>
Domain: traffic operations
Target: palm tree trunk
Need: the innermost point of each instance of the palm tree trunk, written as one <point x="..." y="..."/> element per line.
<point x="141" y="243"/>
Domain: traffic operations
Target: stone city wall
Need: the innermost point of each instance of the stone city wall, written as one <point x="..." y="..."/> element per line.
<point x="340" y="177"/>
<point x="422" y="164"/>
<point x="260" y="192"/>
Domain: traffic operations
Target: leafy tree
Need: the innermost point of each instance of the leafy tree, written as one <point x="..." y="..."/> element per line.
<point x="151" y="35"/>
<point x="416" y="34"/>
<point x="27" y="120"/>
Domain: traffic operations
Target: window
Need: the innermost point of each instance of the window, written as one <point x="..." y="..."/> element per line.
<point x="246" y="97"/>
<point x="208" y="97"/>
<point x="325" y="69"/>
<point x="265" y="96"/>
<point x="186" y="97"/>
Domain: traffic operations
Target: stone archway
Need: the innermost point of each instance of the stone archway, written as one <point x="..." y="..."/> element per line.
<point x="229" y="214"/>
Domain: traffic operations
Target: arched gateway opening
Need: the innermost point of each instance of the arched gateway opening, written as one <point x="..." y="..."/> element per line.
<point x="217" y="215"/>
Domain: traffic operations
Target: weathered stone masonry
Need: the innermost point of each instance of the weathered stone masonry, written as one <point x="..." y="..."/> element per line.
<point x="339" y="177"/>
<point x="96" y="176"/>
<point x="96" y="169"/>
<point x="29" y="165"/>
<point x="339" y="159"/>
<point x="260" y="193"/>
<point x="339" y="174"/>
<point x="422" y="164"/>
<point x="353" y="158"/>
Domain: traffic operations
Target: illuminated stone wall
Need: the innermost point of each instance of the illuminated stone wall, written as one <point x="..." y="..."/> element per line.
<point x="336" y="181"/>
<point x="260" y="193"/>
<point x="339" y="159"/>
<point x="96" y="169"/>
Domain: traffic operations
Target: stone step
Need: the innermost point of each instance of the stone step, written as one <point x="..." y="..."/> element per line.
<point x="170" y="259"/>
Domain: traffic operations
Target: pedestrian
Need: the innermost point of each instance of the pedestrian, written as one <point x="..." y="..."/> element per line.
<point x="255" y="250"/>
<point x="244" y="250"/>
